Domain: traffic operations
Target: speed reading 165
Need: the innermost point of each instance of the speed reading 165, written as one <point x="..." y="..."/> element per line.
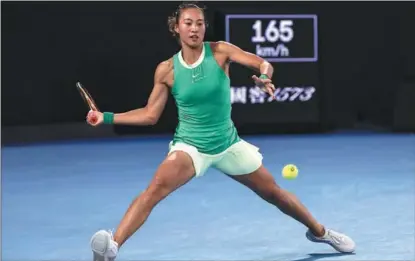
<point x="274" y="31"/>
<point x="275" y="37"/>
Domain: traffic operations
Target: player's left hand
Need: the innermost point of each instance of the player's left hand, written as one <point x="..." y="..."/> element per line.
<point x="266" y="85"/>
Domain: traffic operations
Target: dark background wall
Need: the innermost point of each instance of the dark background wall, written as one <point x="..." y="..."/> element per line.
<point x="365" y="73"/>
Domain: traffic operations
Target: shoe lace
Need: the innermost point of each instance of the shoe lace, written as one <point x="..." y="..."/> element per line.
<point x="109" y="258"/>
<point x="111" y="233"/>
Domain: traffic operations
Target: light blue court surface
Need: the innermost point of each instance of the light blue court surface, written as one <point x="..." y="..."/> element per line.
<point x="56" y="196"/>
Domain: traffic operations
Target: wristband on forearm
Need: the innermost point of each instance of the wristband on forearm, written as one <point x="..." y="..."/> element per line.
<point x="108" y="117"/>
<point x="263" y="76"/>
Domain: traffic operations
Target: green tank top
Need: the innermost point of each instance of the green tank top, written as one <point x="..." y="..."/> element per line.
<point x="202" y="96"/>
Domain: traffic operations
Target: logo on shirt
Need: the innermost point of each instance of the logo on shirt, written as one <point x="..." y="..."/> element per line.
<point x="198" y="73"/>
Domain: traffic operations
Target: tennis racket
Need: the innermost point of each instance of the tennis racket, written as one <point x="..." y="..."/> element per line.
<point x="87" y="99"/>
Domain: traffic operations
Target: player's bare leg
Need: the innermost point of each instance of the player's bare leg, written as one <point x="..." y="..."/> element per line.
<point x="264" y="185"/>
<point x="176" y="170"/>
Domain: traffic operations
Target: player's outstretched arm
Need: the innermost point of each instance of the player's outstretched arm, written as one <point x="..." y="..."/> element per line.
<point x="148" y="115"/>
<point x="236" y="54"/>
<point x="250" y="60"/>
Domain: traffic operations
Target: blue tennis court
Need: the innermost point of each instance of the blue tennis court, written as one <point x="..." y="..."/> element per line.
<point x="55" y="196"/>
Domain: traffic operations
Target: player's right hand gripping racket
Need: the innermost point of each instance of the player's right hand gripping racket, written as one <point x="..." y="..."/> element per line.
<point x="87" y="97"/>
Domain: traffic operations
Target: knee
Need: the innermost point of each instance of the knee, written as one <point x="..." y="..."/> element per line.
<point x="155" y="192"/>
<point x="163" y="183"/>
<point x="281" y="198"/>
<point x="273" y="194"/>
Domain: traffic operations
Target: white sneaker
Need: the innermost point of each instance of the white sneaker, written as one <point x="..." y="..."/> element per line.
<point x="338" y="241"/>
<point x="103" y="246"/>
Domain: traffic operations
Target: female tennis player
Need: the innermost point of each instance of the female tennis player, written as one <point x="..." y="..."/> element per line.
<point x="198" y="78"/>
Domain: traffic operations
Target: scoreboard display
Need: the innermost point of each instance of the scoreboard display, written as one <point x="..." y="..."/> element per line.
<point x="290" y="43"/>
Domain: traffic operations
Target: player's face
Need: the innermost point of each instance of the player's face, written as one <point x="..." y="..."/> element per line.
<point x="191" y="27"/>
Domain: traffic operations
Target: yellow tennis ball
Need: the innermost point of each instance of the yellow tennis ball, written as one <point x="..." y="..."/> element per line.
<point x="290" y="171"/>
